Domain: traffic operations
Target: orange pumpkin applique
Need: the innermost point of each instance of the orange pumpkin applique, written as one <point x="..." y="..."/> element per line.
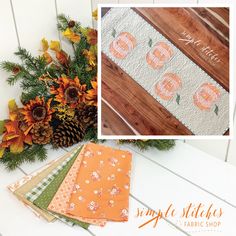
<point x="167" y="87"/>
<point x="205" y="97"/>
<point x="122" y="45"/>
<point x="159" y="55"/>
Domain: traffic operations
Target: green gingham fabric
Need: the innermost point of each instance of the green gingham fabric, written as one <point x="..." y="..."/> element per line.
<point x="47" y="195"/>
<point x="36" y="191"/>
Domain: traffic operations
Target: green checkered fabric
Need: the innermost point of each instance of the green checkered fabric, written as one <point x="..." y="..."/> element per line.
<point x="42" y="186"/>
<point x="37" y="190"/>
<point x="47" y="195"/>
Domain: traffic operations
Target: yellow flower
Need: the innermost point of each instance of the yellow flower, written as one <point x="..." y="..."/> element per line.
<point x="69" y="34"/>
<point x="90" y="57"/>
<point x="44" y="43"/>
<point x="95" y="14"/>
<point x="55" y="46"/>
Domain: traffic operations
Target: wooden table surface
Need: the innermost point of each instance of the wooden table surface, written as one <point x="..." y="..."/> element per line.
<point x="132" y="103"/>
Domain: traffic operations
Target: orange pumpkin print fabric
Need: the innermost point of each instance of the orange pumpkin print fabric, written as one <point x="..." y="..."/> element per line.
<point x="205" y="97"/>
<point x="159" y="55"/>
<point x="101" y="189"/>
<point x="122" y="45"/>
<point x="167" y="87"/>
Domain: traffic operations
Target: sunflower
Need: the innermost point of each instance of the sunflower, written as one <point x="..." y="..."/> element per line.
<point x="91" y="95"/>
<point x="70" y="91"/>
<point x="37" y="111"/>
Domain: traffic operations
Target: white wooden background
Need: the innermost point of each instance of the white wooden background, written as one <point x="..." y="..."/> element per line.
<point x="158" y="178"/>
<point x="25" y="22"/>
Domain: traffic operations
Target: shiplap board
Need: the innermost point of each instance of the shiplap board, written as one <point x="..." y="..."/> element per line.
<point x="231" y="158"/>
<point x="51" y="155"/>
<point x="17" y="219"/>
<point x="158" y="187"/>
<point x="201" y="169"/>
<point x="35" y="20"/>
<point x="131" y="227"/>
<point x="216" y="148"/>
<point x="77" y="9"/>
<point x="135" y="1"/>
<point x="8" y="45"/>
<point x="214" y="1"/>
<point x="175" y="1"/>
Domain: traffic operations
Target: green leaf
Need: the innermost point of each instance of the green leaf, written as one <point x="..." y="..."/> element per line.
<point x="150" y="42"/>
<point x="216" y="110"/>
<point x="2" y="126"/>
<point x="113" y="33"/>
<point x="178" y="98"/>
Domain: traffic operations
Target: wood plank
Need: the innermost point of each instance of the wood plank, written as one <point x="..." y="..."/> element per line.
<point x="112" y="124"/>
<point x="214" y="25"/>
<point x="157" y="187"/>
<point x="78" y="10"/>
<point x="163" y="20"/>
<point x="216" y="148"/>
<point x="221" y="12"/>
<point x="131" y="227"/>
<point x="31" y="27"/>
<point x="194" y="165"/>
<point x="140" y="109"/>
<point x="174" y="1"/>
<point x="8" y="45"/>
<point x="20" y="216"/>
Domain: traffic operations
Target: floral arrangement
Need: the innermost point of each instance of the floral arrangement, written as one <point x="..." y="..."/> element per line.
<point x="59" y="98"/>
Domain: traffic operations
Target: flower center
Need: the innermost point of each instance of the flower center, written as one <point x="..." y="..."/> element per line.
<point x="71" y="94"/>
<point x="39" y="113"/>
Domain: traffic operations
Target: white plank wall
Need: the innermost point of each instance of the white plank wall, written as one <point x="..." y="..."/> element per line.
<point x="25" y="22"/>
<point x="35" y="19"/>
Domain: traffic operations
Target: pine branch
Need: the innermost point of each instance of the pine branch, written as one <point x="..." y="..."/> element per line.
<point x="33" y="92"/>
<point x="29" y="154"/>
<point x="63" y="22"/>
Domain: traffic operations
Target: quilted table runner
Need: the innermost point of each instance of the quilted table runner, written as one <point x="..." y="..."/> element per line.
<point x="176" y="82"/>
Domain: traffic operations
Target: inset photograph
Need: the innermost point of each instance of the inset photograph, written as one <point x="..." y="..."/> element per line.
<point x="165" y="71"/>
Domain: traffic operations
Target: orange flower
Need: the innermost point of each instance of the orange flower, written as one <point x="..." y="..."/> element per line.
<point x="14" y="137"/>
<point x="92" y="36"/>
<point x="91" y="96"/>
<point x="37" y="110"/>
<point x="69" y="91"/>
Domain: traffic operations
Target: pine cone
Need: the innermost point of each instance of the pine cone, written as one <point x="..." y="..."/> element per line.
<point x="41" y="133"/>
<point x="71" y="24"/>
<point x="68" y="133"/>
<point x="87" y="115"/>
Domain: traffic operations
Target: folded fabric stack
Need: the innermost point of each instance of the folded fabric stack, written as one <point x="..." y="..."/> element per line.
<point x="89" y="185"/>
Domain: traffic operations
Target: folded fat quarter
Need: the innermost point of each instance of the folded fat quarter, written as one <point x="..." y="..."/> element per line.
<point x="24" y="185"/>
<point x="60" y="201"/>
<point x="101" y="189"/>
<point x="46" y="196"/>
